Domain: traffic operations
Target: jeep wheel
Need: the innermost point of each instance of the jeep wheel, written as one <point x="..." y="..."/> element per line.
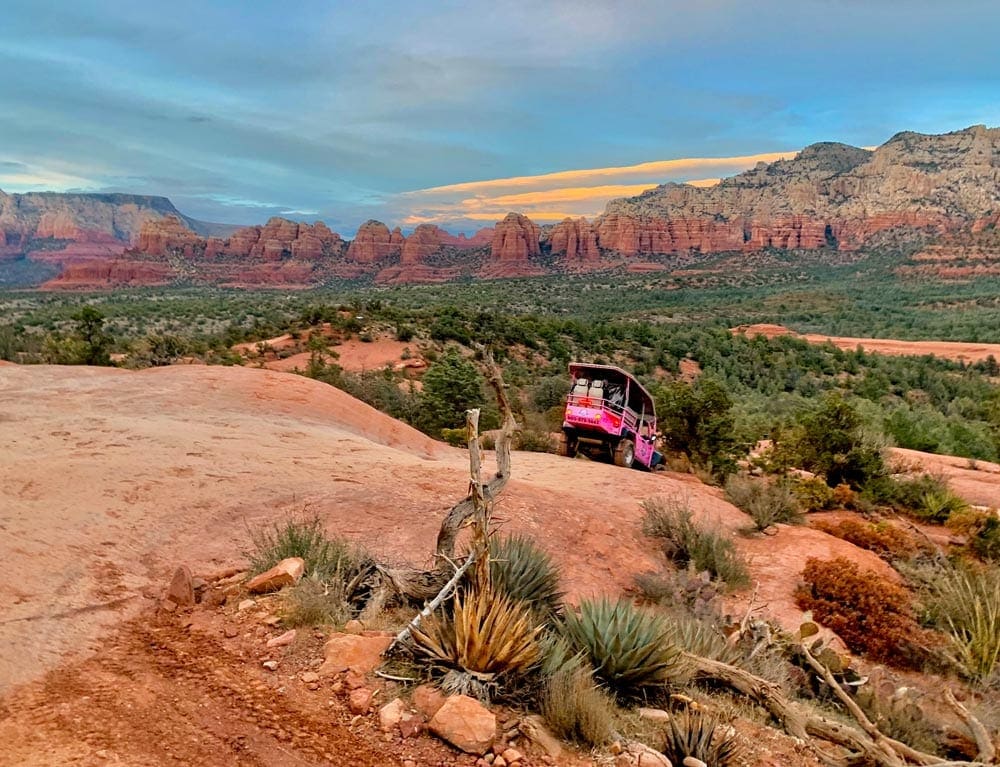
<point x="566" y="446"/>
<point x="625" y="453"/>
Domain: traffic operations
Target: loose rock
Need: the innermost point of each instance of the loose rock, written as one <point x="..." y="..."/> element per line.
<point x="346" y="652"/>
<point x="360" y="700"/>
<point x="411" y="725"/>
<point x="650" y="758"/>
<point x="281" y="641"/>
<point x="466" y="724"/>
<point x="427" y="699"/>
<point x="286" y="573"/>
<point x="246" y="604"/>
<point x="654" y="714"/>
<point x="270" y="665"/>
<point x="309" y="677"/>
<point x="390" y="714"/>
<point x="181" y="590"/>
<point x="354" y="626"/>
<point x="534" y="729"/>
<point x="512" y="755"/>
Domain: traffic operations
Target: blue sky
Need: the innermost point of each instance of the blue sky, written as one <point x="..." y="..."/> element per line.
<point x="344" y="111"/>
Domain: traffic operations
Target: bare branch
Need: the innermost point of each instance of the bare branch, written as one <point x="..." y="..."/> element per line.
<point x="984" y="744"/>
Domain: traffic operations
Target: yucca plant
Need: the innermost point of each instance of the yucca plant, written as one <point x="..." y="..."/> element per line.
<point x="695" y="733"/>
<point x="970" y="607"/>
<point x="485" y="635"/>
<point x="525" y="573"/>
<point x="627" y="647"/>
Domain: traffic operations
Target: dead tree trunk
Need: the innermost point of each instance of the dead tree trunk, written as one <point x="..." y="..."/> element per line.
<point x="422" y="585"/>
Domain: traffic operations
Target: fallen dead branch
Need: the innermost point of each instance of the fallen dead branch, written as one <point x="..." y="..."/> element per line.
<point x="866" y="745"/>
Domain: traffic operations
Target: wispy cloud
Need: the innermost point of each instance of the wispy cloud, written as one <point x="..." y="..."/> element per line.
<point x="569" y="193"/>
<point x="21" y="177"/>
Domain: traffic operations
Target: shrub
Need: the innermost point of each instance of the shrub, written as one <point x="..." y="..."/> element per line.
<point x="884" y="539"/>
<point x="981" y="529"/>
<point x="927" y="497"/>
<point x="324" y="558"/>
<point x="812" y="493"/>
<point x="455" y="437"/>
<point x="831" y="440"/>
<point x="451" y="386"/>
<point x="625" y="645"/>
<point x="707" y="549"/>
<point x="767" y="503"/>
<point x="96" y="340"/>
<point x="900" y="718"/>
<point x="696" y="733"/>
<point x="577" y="710"/>
<point x="525" y="573"/>
<point x="700" y="636"/>
<point x="695" y="593"/>
<point x="534" y="441"/>
<point x="871" y="615"/>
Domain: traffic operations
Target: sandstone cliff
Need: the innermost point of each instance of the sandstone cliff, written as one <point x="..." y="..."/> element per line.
<point x="84" y="217"/>
<point x="576" y="240"/>
<point x="829" y="195"/>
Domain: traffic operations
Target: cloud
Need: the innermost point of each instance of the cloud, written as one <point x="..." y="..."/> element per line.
<point x="562" y="194"/>
<point x="21" y="177"/>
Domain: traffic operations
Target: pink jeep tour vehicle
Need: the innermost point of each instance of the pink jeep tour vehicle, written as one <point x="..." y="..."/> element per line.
<point x="609" y="416"/>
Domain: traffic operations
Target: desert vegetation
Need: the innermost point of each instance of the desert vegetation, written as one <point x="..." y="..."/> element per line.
<point x="497" y="628"/>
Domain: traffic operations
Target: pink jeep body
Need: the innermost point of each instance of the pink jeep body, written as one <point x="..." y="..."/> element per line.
<point x="609" y="415"/>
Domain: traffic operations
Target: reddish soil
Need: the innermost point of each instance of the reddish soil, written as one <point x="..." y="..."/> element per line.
<point x="352" y="355"/>
<point x="110" y="478"/>
<point x="958" y="351"/>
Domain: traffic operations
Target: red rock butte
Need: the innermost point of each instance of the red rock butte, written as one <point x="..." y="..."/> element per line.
<point x="829" y="197"/>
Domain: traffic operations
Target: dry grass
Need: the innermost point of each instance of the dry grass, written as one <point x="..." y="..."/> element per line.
<point x="313" y="602"/>
<point x="577" y="710"/>
<point x="684" y="541"/>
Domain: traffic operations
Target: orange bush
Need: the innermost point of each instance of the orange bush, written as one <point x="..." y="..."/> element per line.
<point x="872" y="615"/>
<point x="885" y="540"/>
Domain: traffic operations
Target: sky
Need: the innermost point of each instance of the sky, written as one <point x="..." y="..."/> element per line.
<point x="456" y="112"/>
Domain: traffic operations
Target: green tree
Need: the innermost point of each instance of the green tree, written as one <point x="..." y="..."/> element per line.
<point x="451" y="386"/>
<point x="96" y="340"/>
<point x="831" y="441"/>
<point x="697" y="420"/>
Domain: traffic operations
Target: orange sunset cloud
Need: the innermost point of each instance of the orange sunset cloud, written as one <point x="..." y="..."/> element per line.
<point x="565" y="194"/>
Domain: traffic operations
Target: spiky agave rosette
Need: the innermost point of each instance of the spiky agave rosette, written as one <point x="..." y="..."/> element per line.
<point x="629" y="648"/>
<point x="484" y="637"/>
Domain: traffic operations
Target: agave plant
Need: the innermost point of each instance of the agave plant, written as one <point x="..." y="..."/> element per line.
<point x="525" y="573"/>
<point x="485" y="635"/>
<point x="627" y="647"/>
<point x="695" y="733"/>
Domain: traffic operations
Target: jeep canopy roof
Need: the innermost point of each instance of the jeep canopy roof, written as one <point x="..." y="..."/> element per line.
<point x="638" y="395"/>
